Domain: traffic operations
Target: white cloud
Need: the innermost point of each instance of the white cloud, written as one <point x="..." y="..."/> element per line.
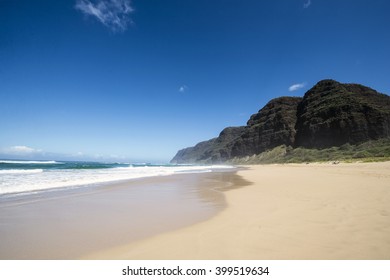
<point x="115" y="14"/>
<point x="183" y="88"/>
<point x="296" y="86"/>
<point x="78" y="154"/>
<point x="22" y="150"/>
<point x="307" y="4"/>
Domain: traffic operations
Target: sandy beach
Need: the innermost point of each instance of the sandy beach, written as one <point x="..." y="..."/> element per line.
<point x="68" y="224"/>
<point x="314" y="211"/>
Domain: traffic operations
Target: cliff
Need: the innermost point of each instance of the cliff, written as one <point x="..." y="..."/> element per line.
<point x="329" y="114"/>
<point x="332" y="114"/>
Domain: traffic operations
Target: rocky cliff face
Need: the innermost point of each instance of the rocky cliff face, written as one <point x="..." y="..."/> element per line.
<point x="332" y="114"/>
<point x="329" y="114"/>
<point x="214" y="150"/>
<point x="272" y="126"/>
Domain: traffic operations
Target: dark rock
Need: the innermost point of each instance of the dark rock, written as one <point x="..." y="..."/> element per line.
<point x="272" y="126"/>
<point x="333" y="114"/>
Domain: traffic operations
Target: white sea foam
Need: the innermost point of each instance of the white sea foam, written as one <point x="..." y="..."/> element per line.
<point x="30" y="162"/>
<point x="38" y="180"/>
<point x="21" y="171"/>
<point x="221" y="167"/>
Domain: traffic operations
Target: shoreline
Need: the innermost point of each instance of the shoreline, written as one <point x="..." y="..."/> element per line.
<point x="67" y="224"/>
<point x="292" y="211"/>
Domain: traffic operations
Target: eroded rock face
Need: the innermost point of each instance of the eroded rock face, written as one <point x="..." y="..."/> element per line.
<point x="329" y="114"/>
<point x="272" y="126"/>
<point x="332" y="114"/>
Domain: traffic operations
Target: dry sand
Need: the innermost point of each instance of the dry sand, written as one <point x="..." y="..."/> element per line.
<point x="315" y="211"/>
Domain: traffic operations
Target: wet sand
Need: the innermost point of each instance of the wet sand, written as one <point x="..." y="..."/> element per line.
<point x="68" y="224"/>
<point x="315" y="211"/>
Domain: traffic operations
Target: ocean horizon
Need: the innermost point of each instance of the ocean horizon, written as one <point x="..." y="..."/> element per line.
<point x="23" y="177"/>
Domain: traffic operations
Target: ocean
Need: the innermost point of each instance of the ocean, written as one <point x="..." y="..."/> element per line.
<point x="21" y="177"/>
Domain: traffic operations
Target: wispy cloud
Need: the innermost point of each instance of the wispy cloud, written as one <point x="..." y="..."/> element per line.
<point x="29" y="153"/>
<point x="183" y="88"/>
<point x="295" y="87"/>
<point x="20" y="151"/>
<point x="115" y="14"/>
<point x="23" y="150"/>
<point x="307" y="4"/>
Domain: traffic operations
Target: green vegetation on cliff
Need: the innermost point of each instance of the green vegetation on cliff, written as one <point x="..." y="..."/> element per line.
<point x="378" y="150"/>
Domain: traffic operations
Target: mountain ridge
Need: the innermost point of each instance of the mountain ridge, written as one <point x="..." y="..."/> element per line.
<point x="330" y="114"/>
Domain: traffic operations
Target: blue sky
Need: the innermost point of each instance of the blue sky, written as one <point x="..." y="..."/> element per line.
<point x="137" y="80"/>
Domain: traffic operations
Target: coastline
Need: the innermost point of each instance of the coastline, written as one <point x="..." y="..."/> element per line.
<point x="67" y="224"/>
<point x="294" y="211"/>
